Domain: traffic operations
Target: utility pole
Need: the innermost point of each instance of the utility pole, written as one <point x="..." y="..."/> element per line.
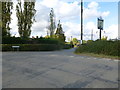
<point x="81" y="21"/>
<point x="92" y="34"/>
<point x="71" y="42"/>
<point x="47" y="33"/>
<point x="71" y="38"/>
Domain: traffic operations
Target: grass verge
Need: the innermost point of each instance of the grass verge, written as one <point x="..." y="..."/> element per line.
<point x="98" y="55"/>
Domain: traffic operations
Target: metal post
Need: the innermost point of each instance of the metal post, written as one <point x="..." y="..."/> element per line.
<point x="81" y="21"/>
<point x="100" y="34"/>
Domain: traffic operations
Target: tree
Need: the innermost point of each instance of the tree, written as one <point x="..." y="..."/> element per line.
<point x="104" y="38"/>
<point x="52" y="25"/>
<point x="26" y="17"/>
<point x="84" y="41"/>
<point x="89" y="41"/>
<point x="75" y="41"/>
<point x="6" y="17"/>
<point x="59" y="32"/>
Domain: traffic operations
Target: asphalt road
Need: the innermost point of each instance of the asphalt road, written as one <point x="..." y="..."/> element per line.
<point x="57" y="69"/>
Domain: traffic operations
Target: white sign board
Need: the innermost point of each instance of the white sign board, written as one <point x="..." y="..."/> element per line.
<point x="100" y="23"/>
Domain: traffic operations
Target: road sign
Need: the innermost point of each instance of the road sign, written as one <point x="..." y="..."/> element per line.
<point x="100" y="23"/>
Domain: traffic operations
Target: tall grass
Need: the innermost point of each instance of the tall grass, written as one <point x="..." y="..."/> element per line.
<point x="111" y="48"/>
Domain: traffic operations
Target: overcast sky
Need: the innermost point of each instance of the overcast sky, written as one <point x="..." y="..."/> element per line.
<point x="68" y="11"/>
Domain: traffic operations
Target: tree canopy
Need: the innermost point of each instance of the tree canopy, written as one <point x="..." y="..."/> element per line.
<point x="26" y="17"/>
<point x="6" y="17"/>
<point x="52" y="25"/>
<point x="59" y="32"/>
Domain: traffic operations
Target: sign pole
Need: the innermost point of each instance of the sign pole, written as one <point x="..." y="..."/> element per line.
<point x="100" y="34"/>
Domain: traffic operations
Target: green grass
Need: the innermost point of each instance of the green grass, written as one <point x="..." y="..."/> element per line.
<point x="98" y="55"/>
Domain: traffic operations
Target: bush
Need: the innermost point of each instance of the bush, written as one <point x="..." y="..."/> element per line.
<point x="18" y="40"/>
<point x="45" y="41"/>
<point x="67" y="46"/>
<point x="14" y="40"/>
<point x="32" y="47"/>
<point x="35" y="44"/>
<point x="100" y="47"/>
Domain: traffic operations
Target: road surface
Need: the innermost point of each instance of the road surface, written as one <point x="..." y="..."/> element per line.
<point x="57" y="69"/>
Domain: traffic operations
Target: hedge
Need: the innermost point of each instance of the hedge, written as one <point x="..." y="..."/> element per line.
<point x="18" y="40"/>
<point x="101" y="47"/>
<point x="67" y="46"/>
<point x="14" y="40"/>
<point x="33" y="44"/>
<point x="32" y="47"/>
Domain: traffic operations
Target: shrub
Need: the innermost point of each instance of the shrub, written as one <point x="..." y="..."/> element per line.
<point x="67" y="46"/>
<point x="100" y="47"/>
<point x="18" y="40"/>
<point x="14" y="40"/>
<point x="32" y="47"/>
<point x="35" y="44"/>
<point x="45" y="41"/>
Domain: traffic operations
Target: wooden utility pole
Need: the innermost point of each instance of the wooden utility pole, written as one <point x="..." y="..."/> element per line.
<point x="92" y="34"/>
<point x="71" y="38"/>
<point x="81" y="21"/>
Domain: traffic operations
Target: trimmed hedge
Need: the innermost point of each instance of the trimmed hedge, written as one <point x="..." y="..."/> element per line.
<point x="14" y="40"/>
<point x="36" y="44"/>
<point x="18" y="40"/>
<point x="67" y="46"/>
<point x="100" y="47"/>
<point x="32" y="47"/>
<point x="45" y="41"/>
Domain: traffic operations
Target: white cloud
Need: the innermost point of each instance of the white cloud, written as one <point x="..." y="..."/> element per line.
<point x="102" y="0"/>
<point x="39" y="28"/>
<point x="93" y="5"/>
<point x="90" y="27"/>
<point x="50" y="3"/>
<point x="72" y="29"/>
<point x="67" y="10"/>
<point x="92" y="10"/>
<point x="112" y="31"/>
<point x="40" y="25"/>
<point x="62" y="9"/>
<point x="104" y="14"/>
